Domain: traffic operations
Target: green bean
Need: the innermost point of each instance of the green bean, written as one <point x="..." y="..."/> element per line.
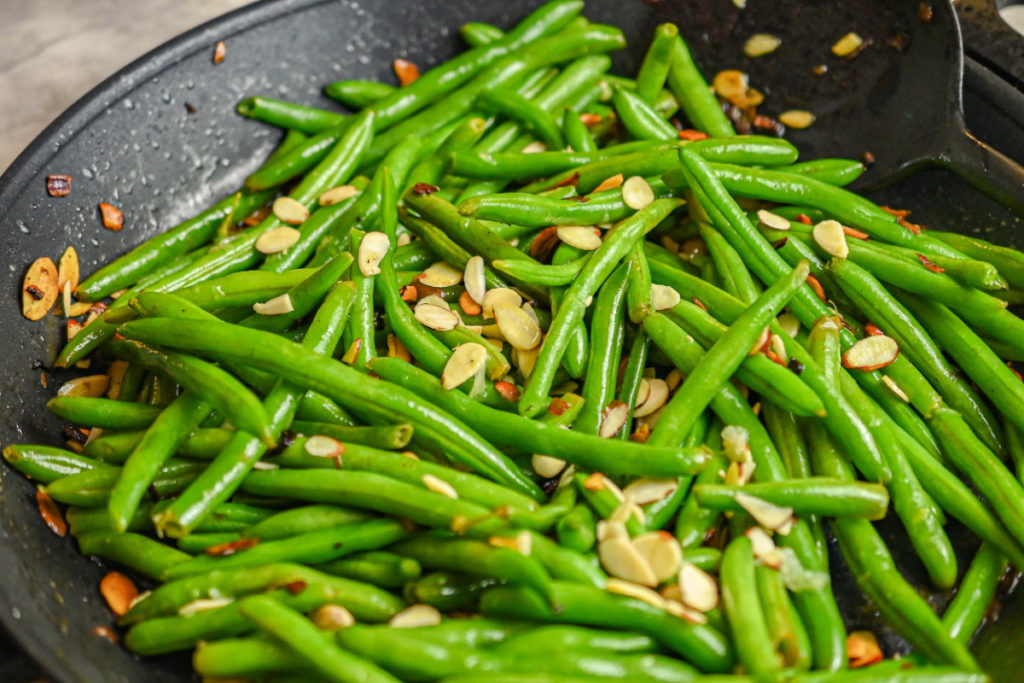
<point x="302" y="520"/>
<point x="312" y="547"/>
<point x="358" y="94"/>
<point x="700" y="644"/>
<point x="1008" y="261"/>
<point x="47" y="464"/>
<point x="91" y="488"/>
<point x="838" y="172"/>
<point x="431" y="170"/>
<point x="302" y="637"/>
<point x="653" y="73"/>
<point x="477" y="33"/>
<point x="282" y="114"/>
<point x="741" y="603"/>
<point x="361" y="321"/>
<point x="388" y="437"/>
<point x="814" y="495"/>
<point x="607" y="333"/>
<point x="694" y="96"/>
<point x="103" y="412"/>
<point x="639" y="119"/>
<point x="736" y="278"/>
<point x="377" y="567"/>
<point x="528" y="113"/>
<point x="586" y="451"/>
<point x="449" y="591"/>
<point x="203" y="444"/>
<point x="576" y="133"/>
<point x="576" y="530"/>
<point x="977" y="590"/>
<point x="135" y="551"/>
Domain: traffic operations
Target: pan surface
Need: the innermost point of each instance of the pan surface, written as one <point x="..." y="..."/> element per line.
<point x="133" y="142"/>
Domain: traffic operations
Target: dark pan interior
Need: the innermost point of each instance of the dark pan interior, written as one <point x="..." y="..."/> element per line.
<point x="133" y="142"/>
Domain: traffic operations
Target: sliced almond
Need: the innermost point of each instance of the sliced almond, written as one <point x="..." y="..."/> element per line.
<point x="778" y="346"/>
<point x="279" y="305"/>
<point x="606" y="529"/>
<point x="772" y="220"/>
<point x="635" y="591"/>
<point x="50" y="511"/>
<point x="406" y="71"/>
<point x="761" y="542"/>
<point x="116" y="374"/>
<point x="435" y="300"/>
<point x="621" y="560"/>
<point x="332" y="618"/>
<point x="657" y="396"/>
<point x="500" y="296"/>
<point x="761" y="44"/>
<point x="613" y="419"/>
<point x="526" y="359"/>
<point x="441" y="275"/>
<point x="662" y="552"/>
<point x="651" y="489"/>
<point x="797" y="118"/>
<point x="895" y="388"/>
<point x="862" y="649"/>
<point x="397" y="348"/>
<point x="583" y="237"/>
<point x="466" y="360"/>
<point x="112" y="217"/>
<point x="517" y="327"/>
<point x="768" y="515"/>
<point x="789" y="324"/>
<point x="609" y="183"/>
<point x="678" y="609"/>
<point x="119" y="591"/>
<point x="39" y="290"/>
<point x="474" y="278"/>
<point x="277" y="239"/>
<point x="371" y="250"/>
<point x="730" y="84"/>
<point x="637" y="193"/>
<point x="698" y="589"/>
<point x="190" y="609"/>
<point x="847" y="45"/>
<point x="534" y="147"/>
<point x="435" y="317"/>
<point x="871" y="353"/>
<point x="664" y="297"/>
<point x="416" y="616"/>
<point x="337" y="194"/>
<point x="290" y="210"/>
<point x="68" y="269"/>
<point x="598" y="482"/>
<point x="673" y="379"/>
<point x="760" y="343"/>
<point x="547" y="466"/>
<point x="739" y="473"/>
<point x="90" y="386"/>
<point x="831" y="237"/>
<point x="81" y="308"/>
<point x="643" y="390"/>
<point x="322" y="446"/>
<point x="439" y="485"/>
<point x="220" y="51"/>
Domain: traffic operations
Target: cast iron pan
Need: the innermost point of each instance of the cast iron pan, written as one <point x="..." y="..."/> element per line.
<point x="133" y="142"/>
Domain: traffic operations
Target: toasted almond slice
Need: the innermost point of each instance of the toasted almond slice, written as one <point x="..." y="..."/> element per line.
<point x="597" y="482"/>
<point x="371" y="251"/>
<point x="465" y="361"/>
<point x="583" y="237"/>
<point x="406" y="71"/>
<point x="678" y="609"/>
<point x="651" y="489"/>
<point x="290" y="210"/>
<point x="39" y="290"/>
<point x="761" y="541"/>
<point x="517" y="327"/>
<point x="332" y="617"/>
<point x="476" y="285"/>
<point x="441" y="275"/>
<point x="606" y="529"/>
<point x="190" y="609"/>
<point x="739" y="473"/>
<point x="337" y="194"/>
<point x="797" y="118"/>
<point x="50" y="511"/>
<point x="657" y="396"/>
<point x="435" y="317"/>
<point x="58" y="185"/>
<point x="279" y="305"/>
<point x="397" y="348"/>
<point x="730" y="84"/>
<point x="119" y="591"/>
<point x="761" y="44"/>
<point x="500" y="296"/>
<point x="673" y="379"/>
<point x="112" y="217"/>
<point x="768" y="515"/>
<point x="66" y="299"/>
<point x="277" y="239"/>
<point x="434" y="300"/>
<point x="662" y="552"/>
<point x="831" y="237"/>
<point x="643" y="390"/>
<point x="778" y="346"/>
<point x="789" y="324"/>
<point x="871" y="353"/>
<point x="439" y="485"/>
<point x="90" y="386"/>
<point x="636" y="591"/>
<point x="220" y="51"/>
<point x="735" y="443"/>
<point x="81" y="308"/>
<point x="772" y="220"/>
<point x="895" y="388"/>
<point x="534" y="147"/>
<point x="263" y="465"/>
<point x="68" y="269"/>
<point x="621" y="560"/>
<point x="608" y="183"/>
<point x="698" y="589"/>
<point x="664" y="297"/>
<point x="416" y="616"/>
<point x="547" y="466"/>
<point x="862" y="649"/>
<point x="322" y="446"/>
<point x="760" y="343"/>
<point x="526" y="359"/>
<point x="847" y="45"/>
<point x="637" y="193"/>
<point x="116" y="374"/>
<point x="613" y="419"/>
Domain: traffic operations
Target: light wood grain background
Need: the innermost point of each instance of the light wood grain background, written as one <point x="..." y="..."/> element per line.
<point x="55" y="51"/>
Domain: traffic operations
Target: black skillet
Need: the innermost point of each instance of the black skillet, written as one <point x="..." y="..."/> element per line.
<point x="133" y="141"/>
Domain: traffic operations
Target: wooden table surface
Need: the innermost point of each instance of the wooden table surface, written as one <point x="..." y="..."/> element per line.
<point x="55" y="51"/>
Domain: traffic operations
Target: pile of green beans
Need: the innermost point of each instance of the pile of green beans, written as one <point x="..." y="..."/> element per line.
<point x="546" y="397"/>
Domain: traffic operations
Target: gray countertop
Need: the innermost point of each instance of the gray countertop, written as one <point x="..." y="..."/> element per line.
<point x="55" y="51"/>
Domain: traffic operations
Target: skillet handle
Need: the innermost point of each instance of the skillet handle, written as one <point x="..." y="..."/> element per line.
<point x="985" y="167"/>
